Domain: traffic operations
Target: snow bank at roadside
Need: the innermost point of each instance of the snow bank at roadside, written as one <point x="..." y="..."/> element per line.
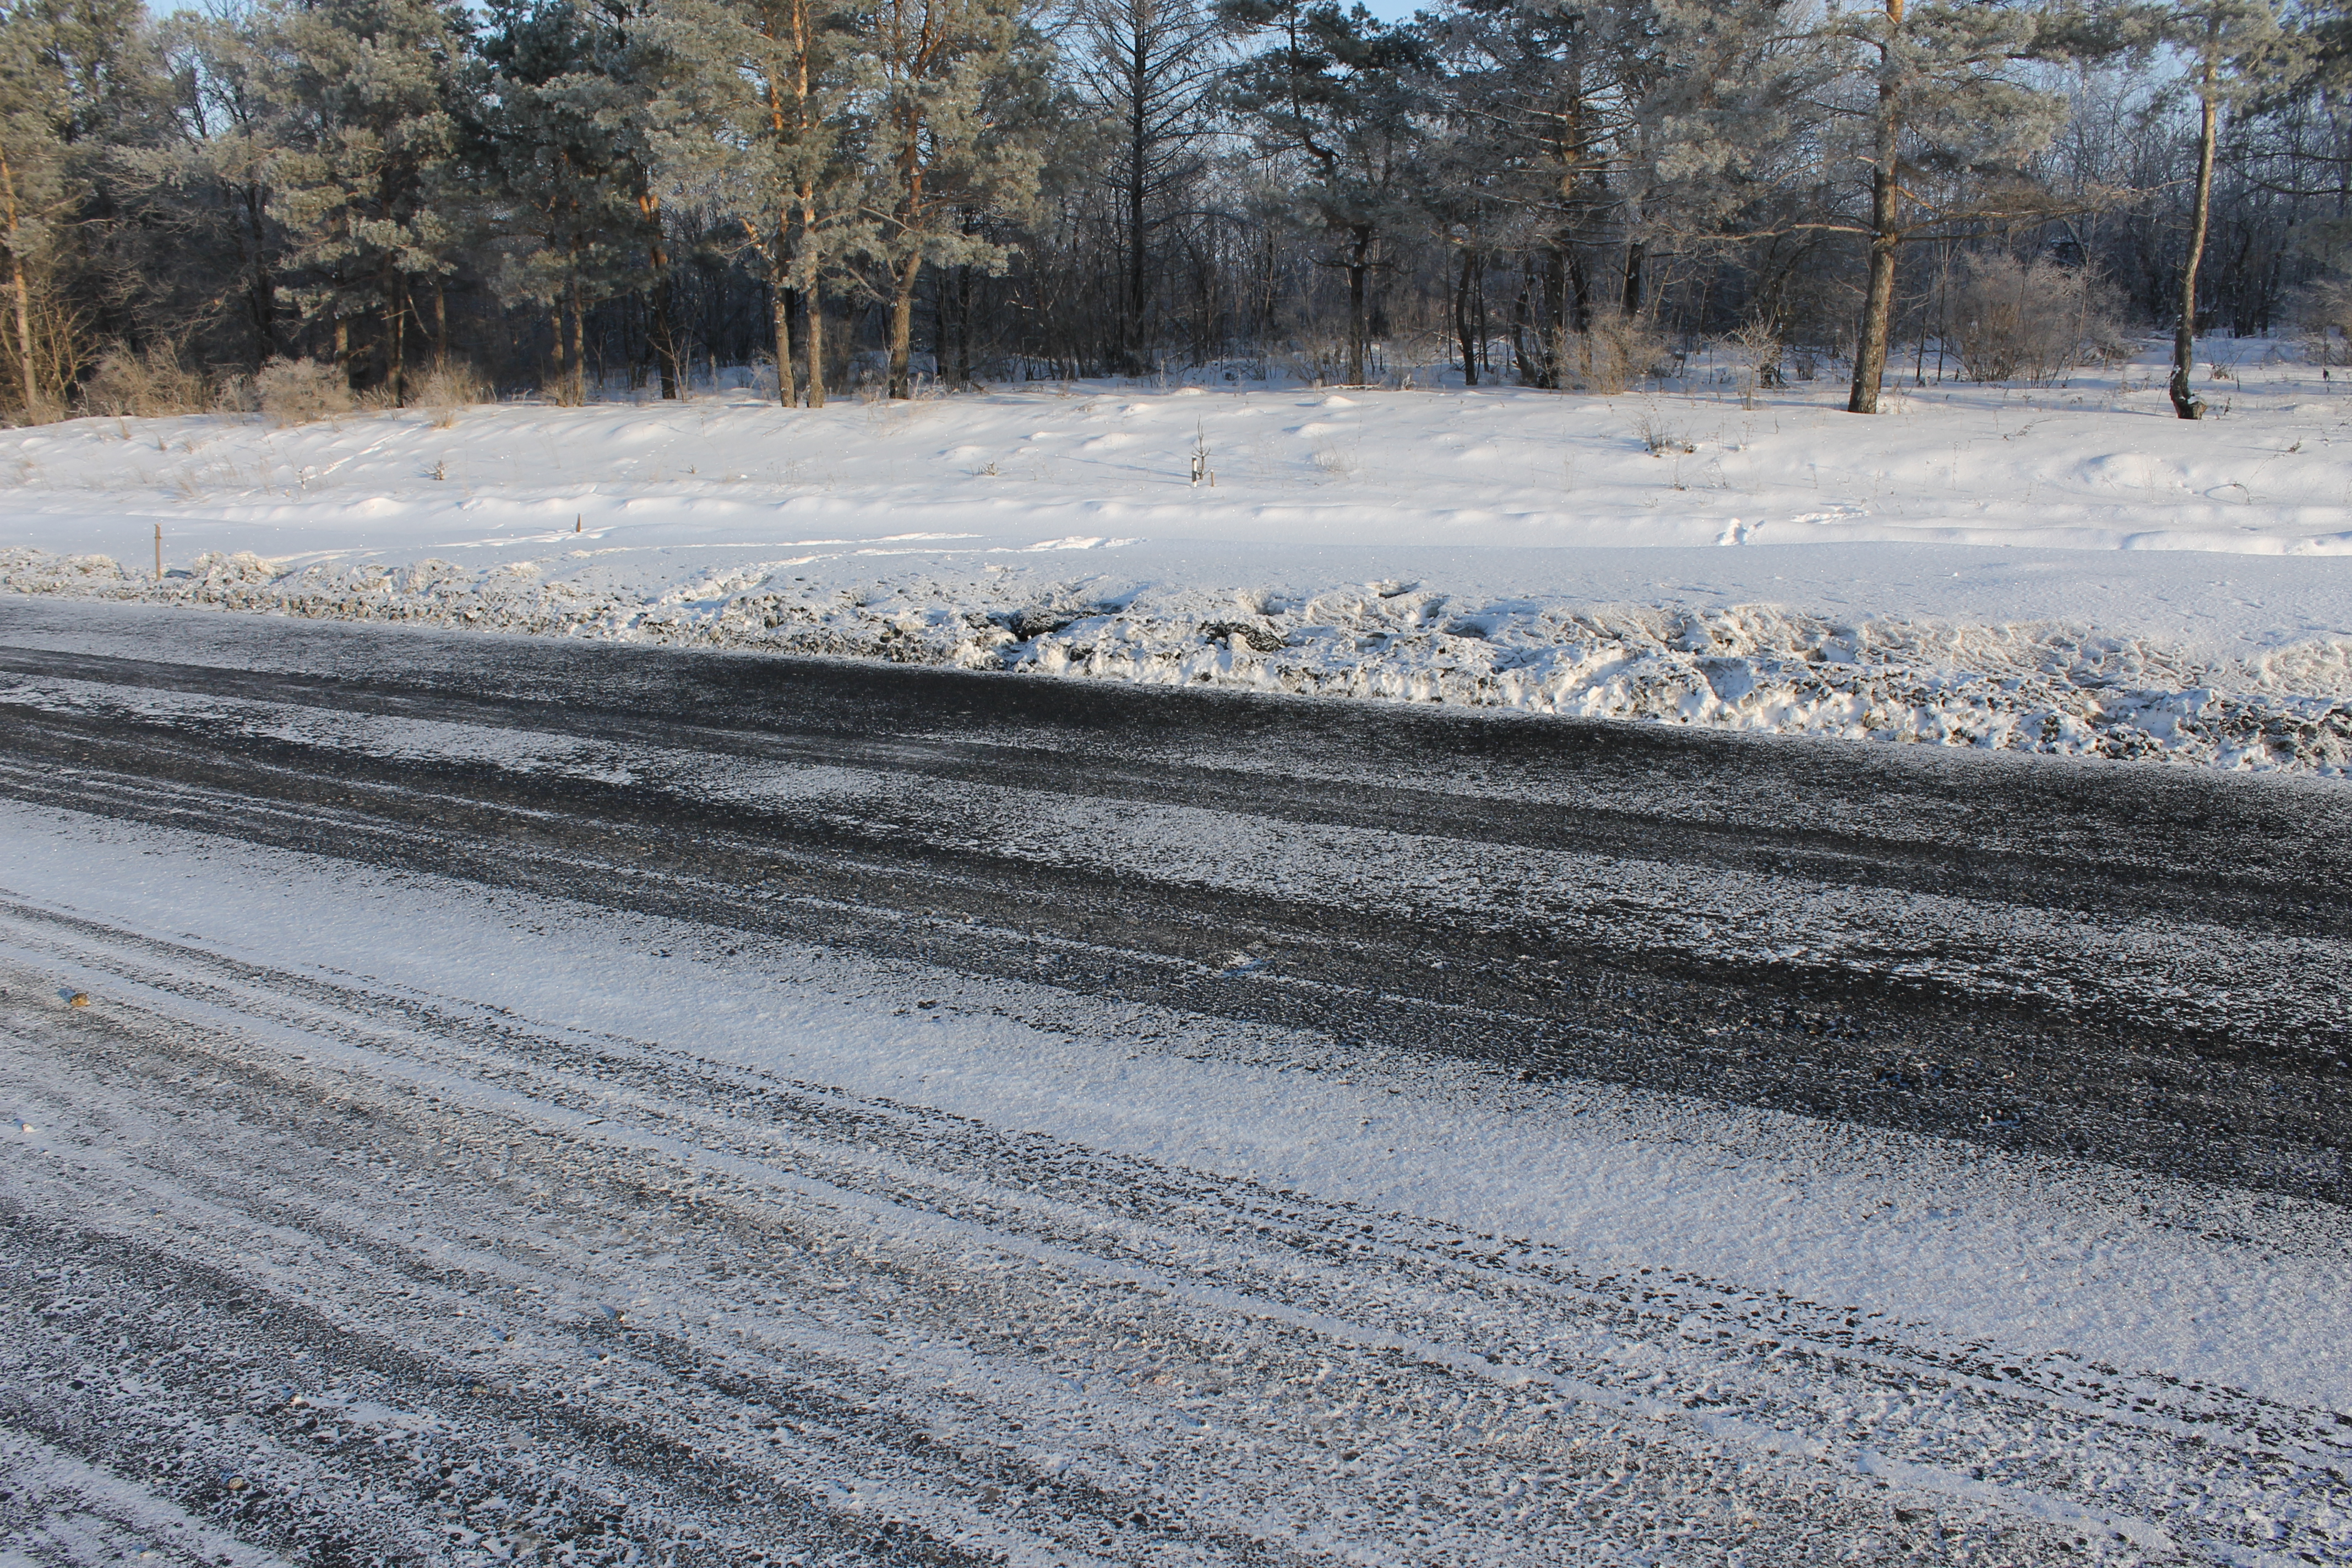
<point x="2042" y="687"/>
<point x="2064" y="569"/>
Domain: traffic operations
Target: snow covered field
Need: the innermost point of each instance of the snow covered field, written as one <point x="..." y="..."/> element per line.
<point x="2063" y="569"/>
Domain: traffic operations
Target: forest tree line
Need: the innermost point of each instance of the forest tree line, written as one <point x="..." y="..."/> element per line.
<point x="568" y="196"/>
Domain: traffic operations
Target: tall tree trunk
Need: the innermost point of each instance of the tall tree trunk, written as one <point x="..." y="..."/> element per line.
<point x="1636" y="256"/>
<point x="665" y="333"/>
<point x="262" y="307"/>
<point x="812" y="297"/>
<point x="1360" y="250"/>
<point x="261" y="291"/>
<point x="962" y="368"/>
<point x="579" y="348"/>
<point x="2185" y="400"/>
<point x="902" y="326"/>
<point x="664" y="338"/>
<point x="1462" y="319"/>
<point x="634" y="338"/>
<point x="1885" y="233"/>
<point x="440" y="322"/>
<point x="812" y="329"/>
<point x="395" y="339"/>
<point x="786" y="393"/>
<point x="21" y="287"/>
<point x="343" y="348"/>
<point x="26" y="368"/>
<point x="1485" y="332"/>
<point x="1551" y="319"/>
<point x="1137" y="173"/>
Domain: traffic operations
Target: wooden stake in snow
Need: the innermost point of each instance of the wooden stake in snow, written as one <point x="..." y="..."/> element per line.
<point x="159" y="553"/>
<point x="576" y="519"/>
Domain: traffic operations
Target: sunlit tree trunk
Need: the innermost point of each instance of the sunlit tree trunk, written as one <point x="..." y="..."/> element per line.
<point x="2185" y="400"/>
<point x="395" y="342"/>
<point x="664" y="335"/>
<point x="812" y="330"/>
<point x="21" y="291"/>
<point x="1886" y="231"/>
<point x="902" y="325"/>
<point x="787" y="392"/>
<point x="579" y="346"/>
<point x="1358" y="265"/>
<point x="1462" y="325"/>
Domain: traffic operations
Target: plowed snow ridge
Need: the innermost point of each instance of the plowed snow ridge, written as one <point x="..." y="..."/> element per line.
<point x="2035" y="688"/>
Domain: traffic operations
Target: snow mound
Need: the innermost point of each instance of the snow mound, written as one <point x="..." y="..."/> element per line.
<point x="2040" y="687"/>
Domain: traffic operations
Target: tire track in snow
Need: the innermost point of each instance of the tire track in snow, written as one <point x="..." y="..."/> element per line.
<point x="439" y="1280"/>
<point x="749" y="1194"/>
<point x="2182" y="1043"/>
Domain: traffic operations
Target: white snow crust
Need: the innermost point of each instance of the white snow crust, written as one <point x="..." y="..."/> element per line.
<point x="2065" y="570"/>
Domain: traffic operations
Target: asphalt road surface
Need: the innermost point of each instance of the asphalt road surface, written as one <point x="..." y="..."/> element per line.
<point x="302" y="1266"/>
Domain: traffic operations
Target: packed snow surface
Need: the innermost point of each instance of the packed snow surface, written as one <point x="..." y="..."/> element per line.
<point x="2065" y="570"/>
<point x="1377" y="1310"/>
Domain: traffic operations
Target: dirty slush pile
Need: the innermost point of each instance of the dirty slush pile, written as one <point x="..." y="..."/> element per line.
<point x="2040" y="687"/>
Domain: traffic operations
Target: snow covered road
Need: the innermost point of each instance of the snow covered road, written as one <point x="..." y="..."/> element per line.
<point x="599" y="1104"/>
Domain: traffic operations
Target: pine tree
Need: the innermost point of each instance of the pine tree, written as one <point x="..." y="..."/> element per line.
<point x="1724" y="127"/>
<point x="958" y="90"/>
<point x="1537" y="98"/>
<point x="374" y="106"/>
<point x="35" y="196"/>
<point x="1948" y="116"/>
<point x="767" y="124"/>
<point x="77" y="81"/>
<point x="232" y="122"/>
<point x="1335" y="90"/>
<point x="552" y="134"/>
<point x="576" y="108"/>
<point x="631" y="54"/>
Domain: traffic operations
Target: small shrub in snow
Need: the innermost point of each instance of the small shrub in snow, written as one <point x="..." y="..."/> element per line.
<point x="1658" y="437"/>
<point x="144" y="386"/>
<point x="300" y="391"/>
<point x="446" y="390"/>
<point x="1755" y="354"/>
<point x="1319" y="360"/>
<point x="1615" y="352"/>
<point x="2323" y="312"/>
<point x="2030" y="320"/>
<point x="1333" y="459"/>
